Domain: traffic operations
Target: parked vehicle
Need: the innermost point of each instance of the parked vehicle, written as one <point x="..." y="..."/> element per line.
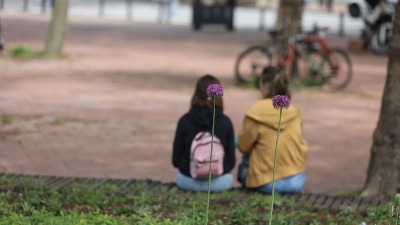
<point x="357" y="8"/>
<point x="213" y="12"/>
<point x="380" y="25"/>
<point x="378" y="17"/>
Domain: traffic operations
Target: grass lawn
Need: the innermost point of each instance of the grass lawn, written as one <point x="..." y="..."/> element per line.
<point x="32" y="203"/>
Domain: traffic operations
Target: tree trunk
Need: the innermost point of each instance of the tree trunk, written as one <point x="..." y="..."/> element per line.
<point x="290" y="12"/>
<point x="383" y="170"/>
<point x="57" y="29"/>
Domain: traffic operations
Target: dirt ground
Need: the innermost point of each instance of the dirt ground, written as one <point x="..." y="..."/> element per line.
<point x="110" y="107"/>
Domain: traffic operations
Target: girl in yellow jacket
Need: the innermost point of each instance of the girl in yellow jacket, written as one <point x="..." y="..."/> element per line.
<point x="257" y="139"/>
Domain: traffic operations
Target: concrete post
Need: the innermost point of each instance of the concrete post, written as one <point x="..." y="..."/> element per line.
<point x="341" y="24"/>
<point x="129" y="9"/>
<point x="262" y="19"/>
<point x="101" y="7"/>
<point x="25" y="6"/>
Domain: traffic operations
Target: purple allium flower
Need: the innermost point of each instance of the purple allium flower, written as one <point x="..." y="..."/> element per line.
<point x="215" y="90"/>
<point x="281" y="101"/>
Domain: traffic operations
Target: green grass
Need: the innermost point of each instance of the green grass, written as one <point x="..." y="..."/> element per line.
<point x="20" y="51"/>
<point x="311" y="81"/>
<point x="254" y="83"/>
<point x="5" y="119"/>
<point x="31" y="203"/>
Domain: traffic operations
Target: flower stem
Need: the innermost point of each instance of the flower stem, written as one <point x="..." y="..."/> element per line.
<point x="209" y="171"/>
<point x="273" y="173"/>
<point x="397" y="214"/>
<point x="194" y="209"/>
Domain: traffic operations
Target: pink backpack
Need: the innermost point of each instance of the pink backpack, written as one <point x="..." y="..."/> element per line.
<point x="200" y="156"/>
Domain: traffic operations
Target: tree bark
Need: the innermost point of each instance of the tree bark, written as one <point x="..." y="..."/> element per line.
<point x="383" y="171"/>
<point x="290" y="12"/>
<point x="57" y="29"/>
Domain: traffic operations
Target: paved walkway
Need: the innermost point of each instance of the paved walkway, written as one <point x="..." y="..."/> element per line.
<point x="109" y="109"/>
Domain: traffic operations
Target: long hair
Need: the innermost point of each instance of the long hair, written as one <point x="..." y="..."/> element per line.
<point x="200" y="97"/>
<point x="276" y="81"/>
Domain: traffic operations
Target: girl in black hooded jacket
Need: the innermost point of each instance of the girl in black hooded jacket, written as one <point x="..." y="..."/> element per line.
<point x="199" y="118"/>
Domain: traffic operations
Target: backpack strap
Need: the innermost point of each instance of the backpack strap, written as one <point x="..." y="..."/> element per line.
<point x="202" y="133"/>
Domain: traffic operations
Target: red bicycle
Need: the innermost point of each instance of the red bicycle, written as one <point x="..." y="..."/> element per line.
<point x="307" y="58"/>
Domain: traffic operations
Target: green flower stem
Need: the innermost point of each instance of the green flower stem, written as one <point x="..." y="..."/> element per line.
<point x="209" y="171"/>
<point x="194" y="209"/>
<point x="397" y="214"/>
<point x="273" y="173"/>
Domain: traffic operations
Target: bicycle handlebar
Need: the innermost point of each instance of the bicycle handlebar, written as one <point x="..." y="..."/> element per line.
<point x="316" y="30"/>
<point x="281" y="27"/>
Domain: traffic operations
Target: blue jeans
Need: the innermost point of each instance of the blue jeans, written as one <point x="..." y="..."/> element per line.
<point x="290" y="184"/>
<point x="218" y="184"/>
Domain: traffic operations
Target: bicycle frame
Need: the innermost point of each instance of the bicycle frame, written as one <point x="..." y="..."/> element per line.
<point x="324" y="50"/>
<point x="305" y="58"/>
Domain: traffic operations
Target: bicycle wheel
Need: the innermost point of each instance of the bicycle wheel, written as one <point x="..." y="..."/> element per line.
<point x="338" y="78"/>
<point x="251" y="62"/>
<point x="307" y="69"/>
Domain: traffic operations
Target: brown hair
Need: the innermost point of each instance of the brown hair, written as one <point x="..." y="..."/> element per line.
<point x="200" y="97"/>
<point x="276" y="81"/>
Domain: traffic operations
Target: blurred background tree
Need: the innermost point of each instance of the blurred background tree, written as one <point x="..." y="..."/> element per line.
<point x="57" y="29"/>
<point x="383" y="174"/>
<point x="290" y="12"/>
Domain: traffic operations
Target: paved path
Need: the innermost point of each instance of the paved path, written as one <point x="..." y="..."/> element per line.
<point x="109" y="109"/>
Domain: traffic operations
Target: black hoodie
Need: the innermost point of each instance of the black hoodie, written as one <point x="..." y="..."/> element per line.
<point x="196" y="120"/>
